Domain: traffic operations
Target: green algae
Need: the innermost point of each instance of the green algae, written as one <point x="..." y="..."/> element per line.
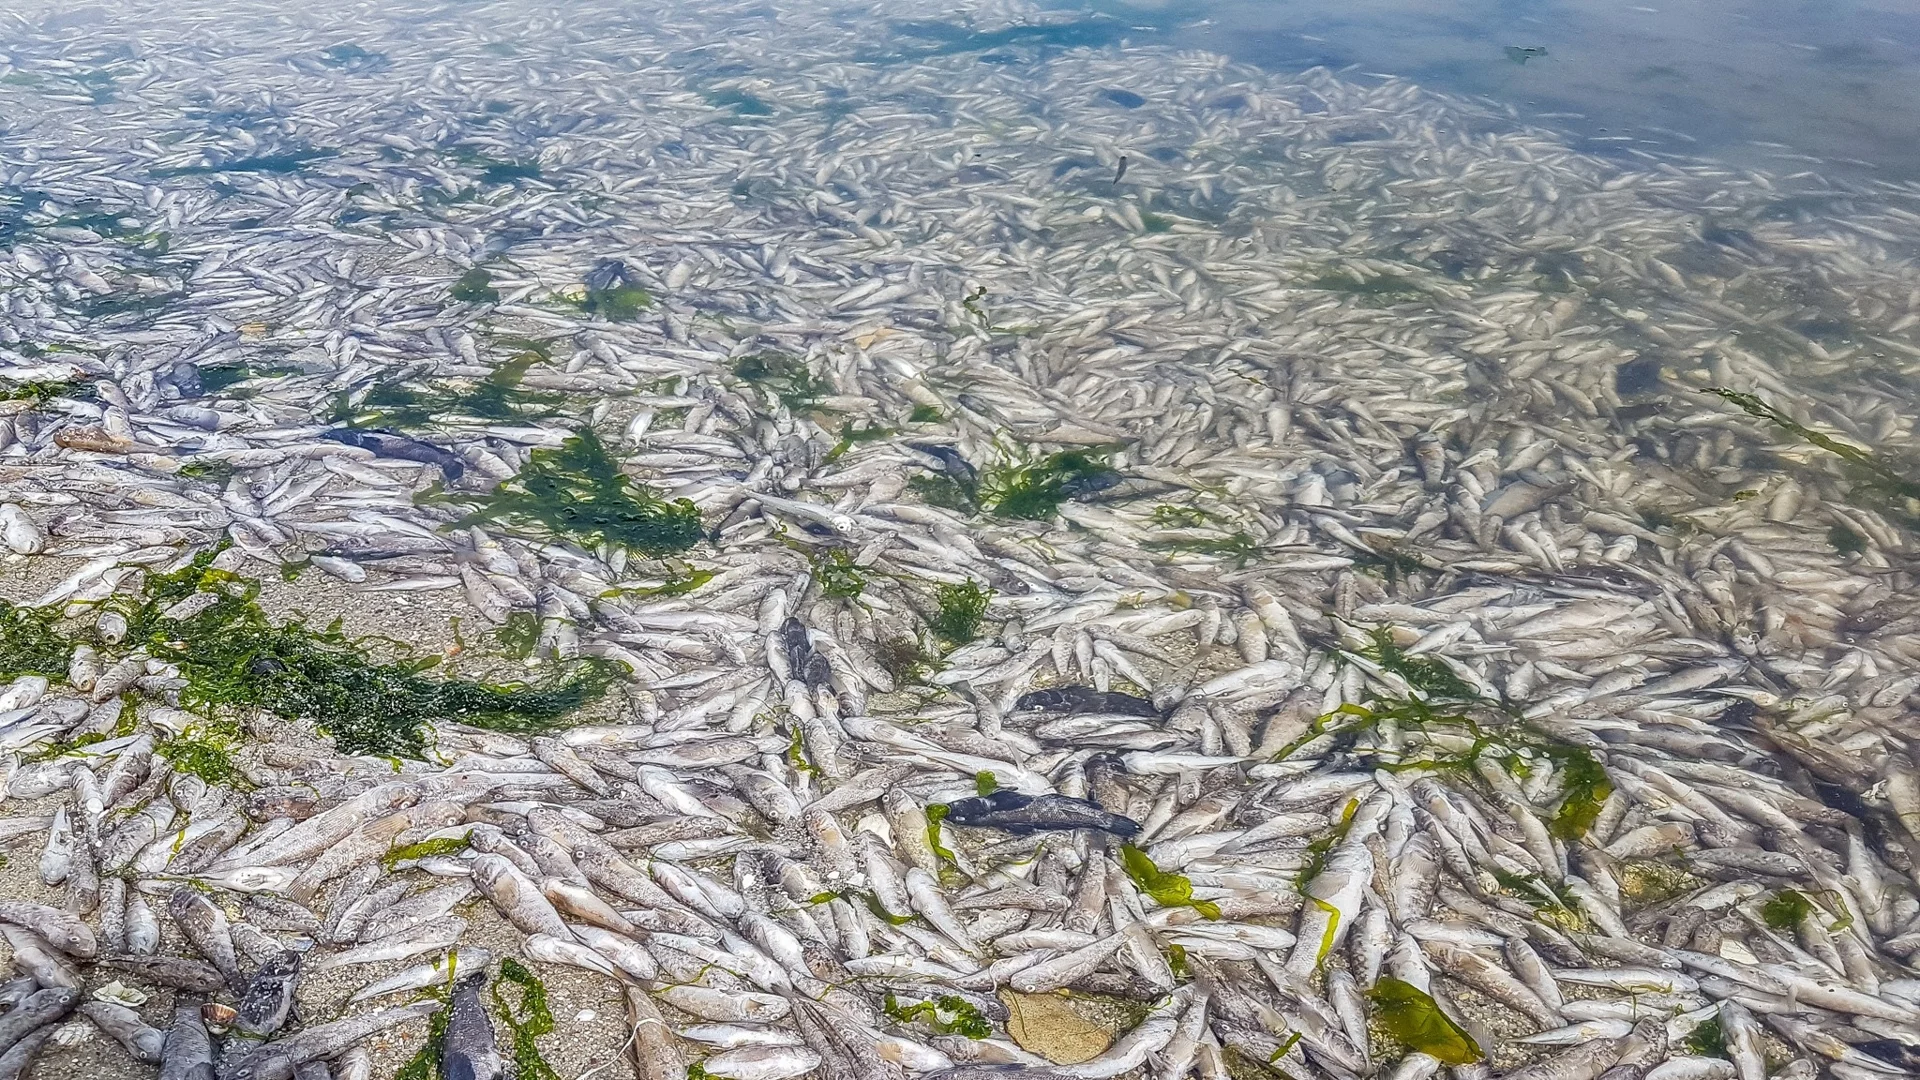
<point x="425" y="1063"/>
<point x="531" y="1018"/>
<point x="1411" y="1015"/>
<point x="1238" y="546"/>
<point x="216" y="380"/>
<point x="518" y="634"/>
<point x="947" y="1014"/>
<point x="1168" y="889"/>
<point x="206" y="751"/>
<point x="679" y="581"/>
<point x="1707" y="1039"/>
<point x="32" y="644"/>
<point x="936" y="814"/>
<point x="1584" y="792"/>
<point x="985" y="783"/>
<point x="1870" y="469"/>
<point x="851" y="436"/>
<point x="616" y="303"/>
<point x="475" y="287"/>
<point x="425" y="849"/>
<point x="1033" y="488"/>
<point x="1171" y="516"/>
<point x="907" y="661"/>
<point x="577" y="491"/>
<point x="836" y="573"/>
<point x="945" y="491"/>
<point x="1177" y="960"/>
<point x="1322" y="846"/>
<point x="1443" y="702"/>
<point x="960" y="608"/>
<point x="783" y="378"/>
<point x="210" y="470"/>
<point x="1846" y="541"/>
<point x="234" y="659"/>
<point x="797" y="751"/>
<point x="498" y="396"/>
<point x="38" y="393"/>
<point x="1785" y="909"/>
<point x="1427" y="674"/>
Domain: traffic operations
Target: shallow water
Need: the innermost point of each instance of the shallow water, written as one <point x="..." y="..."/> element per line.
<point x="1465" y="554"/>
<point x="1830" y="87"/>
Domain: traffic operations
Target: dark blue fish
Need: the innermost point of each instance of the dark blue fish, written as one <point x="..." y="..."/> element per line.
<point x="1010" y="811"/>
<point x="471" y="1052"/>
<point x="951" y="462"/>
<point x="387" y="444"/>
<point x="1085" y="699"/>
<point x="797" y="646"/>
<point x="1081" y="485"/>
<point x="268" y="1000"/>
<point x="609" y="274"/>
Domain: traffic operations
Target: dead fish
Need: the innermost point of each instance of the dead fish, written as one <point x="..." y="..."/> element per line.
<point x="1074" y="700"/>
<point x="39" y="1009"/>
<point x="126" y="1028"/>
<point x="205" y="925"/>
<point x="471" y="1052"/>
<point x="60" y="929"/>
<point x="278" y="1059"/>
<point x="193" y="976"/>
<point x="390" y="444"/>
<point x="32" y="954"/>
<point x="517" y="897"/>
<point x="17" y="1062"/>
<point x="268" y="999"/>
<point x="1010" y="811"/>
<point x="187" y="1051"/>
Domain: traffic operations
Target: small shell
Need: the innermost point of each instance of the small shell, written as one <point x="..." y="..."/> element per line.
<point x="217" y="1017"/>
<point x="120" y="994"/>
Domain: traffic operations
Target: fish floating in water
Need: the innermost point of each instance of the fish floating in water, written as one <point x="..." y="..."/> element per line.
<point x="1332" y="518"/>
<point x="1013" y="812"/>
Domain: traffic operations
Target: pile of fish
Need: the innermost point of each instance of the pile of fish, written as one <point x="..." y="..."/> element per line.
<point x="1424" y="673"/>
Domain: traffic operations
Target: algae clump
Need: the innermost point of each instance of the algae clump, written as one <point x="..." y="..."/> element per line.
<point x="961" y="607"/>
<point x="787" y="379"/>
<point x="1784" y="909"/>
<point x="530" y="1020"/>
<point x="30" y="644"/>
<point x="1411" y="1015"/>
<point x="1034" y="489"/>
<point x="1166" y="888"/>
<point x="837" y="574"/>
<point x="206" y="751"/>
<point x="234" y="658"/>
<point x="475" y="287"/>
<point x="577" y="491"/>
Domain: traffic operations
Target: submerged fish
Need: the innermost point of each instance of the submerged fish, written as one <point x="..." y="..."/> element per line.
<point x="394" y="445"/>
<point x="1014" y="812"/>
<point x="1085" y="699"/>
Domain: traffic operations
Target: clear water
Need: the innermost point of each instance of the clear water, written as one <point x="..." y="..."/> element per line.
<point x="1789" y="86"/>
